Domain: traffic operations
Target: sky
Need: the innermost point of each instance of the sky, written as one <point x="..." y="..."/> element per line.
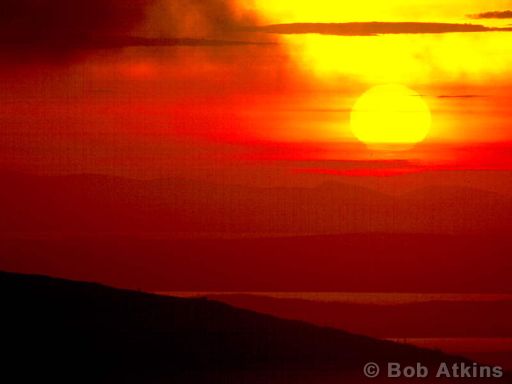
<point x="226" y="89"/>
<point x="236" y="119"/>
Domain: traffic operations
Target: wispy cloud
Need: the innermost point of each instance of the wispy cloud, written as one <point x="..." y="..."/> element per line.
<point x="459" y="96"/>
<point x="373" y="28"/>
<point x="492" y="15"/>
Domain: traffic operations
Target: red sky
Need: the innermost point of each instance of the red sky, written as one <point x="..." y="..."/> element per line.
<point x="207" y="93"/>
<point x="78" y="97"/>
<point x="210" y="144"/>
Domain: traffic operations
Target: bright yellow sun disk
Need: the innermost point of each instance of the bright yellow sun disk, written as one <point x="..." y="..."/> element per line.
<point x="390" y="114"/>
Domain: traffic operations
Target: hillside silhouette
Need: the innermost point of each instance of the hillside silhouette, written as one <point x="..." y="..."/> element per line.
<point x="479" y="330"/>
<point x="60" y="330"/>
<point x="431" y="319"/>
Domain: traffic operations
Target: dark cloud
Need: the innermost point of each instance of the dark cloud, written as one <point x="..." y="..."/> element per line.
<point x="169" y="42"/>
<point x="460" y="96"/>
<point x="492" y="15"/>
<point x="135" y="41"/>
<point x="372" y="28"/>
<point x="62" y="23"/>
<point x="56" y="29"/>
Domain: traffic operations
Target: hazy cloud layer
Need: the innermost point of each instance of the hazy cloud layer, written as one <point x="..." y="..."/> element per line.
<point x="59" y="28"/>
<point x="492" y="15"/>
<point x="200" y="18"/>
<point x="58" y="24"/>
<point x="372" y="28"/>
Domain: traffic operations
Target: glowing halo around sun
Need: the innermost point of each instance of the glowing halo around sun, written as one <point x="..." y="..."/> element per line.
<point x="391" y="115"/>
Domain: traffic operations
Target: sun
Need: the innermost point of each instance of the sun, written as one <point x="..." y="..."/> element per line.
<point x="391" y="114"/>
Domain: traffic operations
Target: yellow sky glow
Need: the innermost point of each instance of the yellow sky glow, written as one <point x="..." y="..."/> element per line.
<point x="411" y="59"/>
<point x="452" y="64"/>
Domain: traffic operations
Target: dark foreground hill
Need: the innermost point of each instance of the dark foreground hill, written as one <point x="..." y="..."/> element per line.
<point x="454" y="318"/>
<point x="61" y="331"/>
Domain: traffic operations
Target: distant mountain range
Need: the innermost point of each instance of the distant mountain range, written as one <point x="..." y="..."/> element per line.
<point x="62" y="331"/>
<point x="99" y="204"/>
